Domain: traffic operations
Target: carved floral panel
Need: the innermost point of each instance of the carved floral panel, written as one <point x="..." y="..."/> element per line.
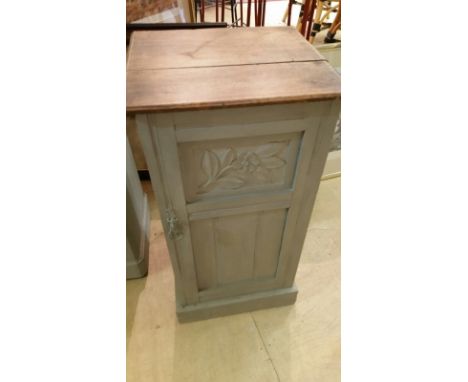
<point x="233" y="168"/>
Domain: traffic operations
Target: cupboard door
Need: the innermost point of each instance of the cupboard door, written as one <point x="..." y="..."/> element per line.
<point x="241" y="185"/>
<point x="238" y="194"/>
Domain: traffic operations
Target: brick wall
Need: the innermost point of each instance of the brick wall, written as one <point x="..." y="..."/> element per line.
<point x="137" y="9"/>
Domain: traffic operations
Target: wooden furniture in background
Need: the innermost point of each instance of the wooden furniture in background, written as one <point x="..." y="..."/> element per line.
<point x="330" y="37"/>
<point x="166" y="26"/>
<point x="312" y="16"/>
<point x="137" y="9"/>
<point x="235" y="125"/>
<point x="322" y="11"/>
<point x="237" y="18"/>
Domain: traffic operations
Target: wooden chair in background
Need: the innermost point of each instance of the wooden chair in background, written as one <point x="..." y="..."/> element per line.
<point x="330" y="37"/>
<point x="258" y="9"/>
<point x="322" y="12"/>
<point x="312" y="16"/>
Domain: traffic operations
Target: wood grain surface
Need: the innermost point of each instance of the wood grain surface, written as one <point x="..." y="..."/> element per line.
<point x="229" y="86"/>
<point x="203" y="69"/>
<point x="209" y="47"/>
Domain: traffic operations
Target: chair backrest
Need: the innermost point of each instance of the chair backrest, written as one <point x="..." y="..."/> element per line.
<point x="237" y="18"/>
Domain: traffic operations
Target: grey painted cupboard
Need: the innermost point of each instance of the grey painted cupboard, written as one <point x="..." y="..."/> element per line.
<point x="235" y="125"/>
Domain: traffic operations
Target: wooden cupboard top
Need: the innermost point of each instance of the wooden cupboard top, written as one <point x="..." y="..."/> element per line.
<point x="214" y="47"/>
<point x="209" y="68"/>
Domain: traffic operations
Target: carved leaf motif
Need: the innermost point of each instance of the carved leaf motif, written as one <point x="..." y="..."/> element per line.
<point x="271" y="149"/>
<point x="230" y="169"/>
<point x="225" y="170"/>
<point x="231" y="182"/>
<point x="210" y="164"/>
<point x="272" y="162"/>
<point x="228" y="158"/>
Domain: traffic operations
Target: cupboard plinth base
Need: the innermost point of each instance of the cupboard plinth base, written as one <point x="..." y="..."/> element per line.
<point x="240" y="304"/>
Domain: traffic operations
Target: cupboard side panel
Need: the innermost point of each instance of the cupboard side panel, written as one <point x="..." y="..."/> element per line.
<point x="306" y="199"/>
